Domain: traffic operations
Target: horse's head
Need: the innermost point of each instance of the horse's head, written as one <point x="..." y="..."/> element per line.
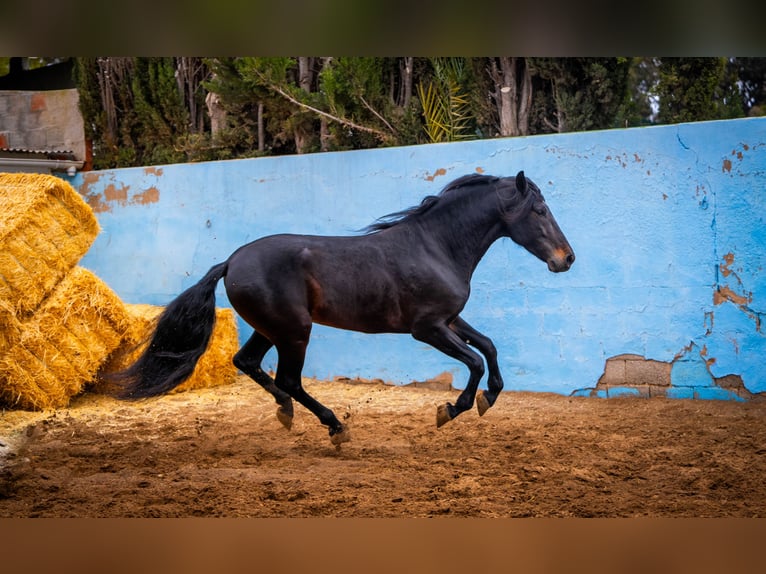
<point x="533" y="227"/>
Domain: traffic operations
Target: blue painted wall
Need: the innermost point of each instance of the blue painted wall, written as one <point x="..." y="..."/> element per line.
<point x="667" y="224"/>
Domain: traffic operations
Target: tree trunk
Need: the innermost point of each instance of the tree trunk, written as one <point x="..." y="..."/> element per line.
<point x="525" y="98"/>
<point x="217" y="114"/>
<point x="305" y="81"/>
<point x="305" y="73"/>
<point x="261" y="132"/>
<point x="407" y="70"/>
<point x="324" y="135"/>
<point x="190" y="72"/>
<point x="512" y="95"/>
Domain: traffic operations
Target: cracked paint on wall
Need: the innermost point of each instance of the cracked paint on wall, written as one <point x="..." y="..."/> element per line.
<point x="667" y="223"/>
<point x="738" y="295"/>
<point x="103" y="193"/>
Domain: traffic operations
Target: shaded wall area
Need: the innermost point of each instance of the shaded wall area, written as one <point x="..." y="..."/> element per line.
<point x="667" y="224"/>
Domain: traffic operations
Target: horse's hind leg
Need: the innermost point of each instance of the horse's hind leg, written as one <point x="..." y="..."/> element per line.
<point x="248" y="360"/>
<point x="291" y="357"/>
<point x="484" y="344"/>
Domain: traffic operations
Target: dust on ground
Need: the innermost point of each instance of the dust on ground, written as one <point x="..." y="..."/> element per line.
<point x="222" y="452"/>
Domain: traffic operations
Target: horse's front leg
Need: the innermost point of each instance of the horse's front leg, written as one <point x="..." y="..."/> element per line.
<point x="471" y="336"/>
<point x="446" y="340"/>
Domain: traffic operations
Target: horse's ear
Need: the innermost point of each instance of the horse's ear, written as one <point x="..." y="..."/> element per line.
<point x="521" y="182"/>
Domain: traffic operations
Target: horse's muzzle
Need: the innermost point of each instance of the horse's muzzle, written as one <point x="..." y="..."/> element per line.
<point x="561" y="261"/>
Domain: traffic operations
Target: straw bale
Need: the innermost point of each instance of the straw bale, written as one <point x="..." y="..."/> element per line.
<point x="62" y="346"/>
<point x="45" y="228"/>
<point x="10" y="328"/>
<point x="214" y="368"/>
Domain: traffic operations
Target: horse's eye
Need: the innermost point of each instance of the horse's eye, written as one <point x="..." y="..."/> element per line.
<point x="539" y="209"/>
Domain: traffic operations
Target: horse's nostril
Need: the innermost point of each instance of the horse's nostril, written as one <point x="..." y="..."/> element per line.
<point x="570" y="258"/>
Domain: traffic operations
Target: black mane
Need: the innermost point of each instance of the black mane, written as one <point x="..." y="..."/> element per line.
<point x="388" y="221"/>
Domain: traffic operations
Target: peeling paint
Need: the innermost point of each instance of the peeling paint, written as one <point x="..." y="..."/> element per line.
<point x="725" y="268"/>
<point x="112" y="193"/>
<point x="151" y="195"/>
<point x="709" y="361"/>
<point x="725" y="293"/>
<point x="89" y="179"/>
<point x="727" y="165"/>
<point x="709" y="322"/>
<point x="438" y="172"/>
<point x="104" y="201"/>
<point x="621" y="159"/>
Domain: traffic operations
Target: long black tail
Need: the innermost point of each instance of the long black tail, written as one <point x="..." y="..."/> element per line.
<point x="181" y="336"/>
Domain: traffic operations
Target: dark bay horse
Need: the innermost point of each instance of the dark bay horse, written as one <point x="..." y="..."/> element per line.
<point x="409" y="272"/>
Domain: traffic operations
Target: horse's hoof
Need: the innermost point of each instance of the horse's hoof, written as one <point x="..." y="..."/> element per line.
<point x="341" y="436"/>
<point x="482" y="403"/>
<point x="285" y="418"/>
<point x="442" y="415"/>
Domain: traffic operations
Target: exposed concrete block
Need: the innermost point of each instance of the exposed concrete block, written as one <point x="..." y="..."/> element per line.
<point x="647" y="372"/>
<point x="656" y="391"/>
<point x="635" y="371"/>
<point x="614" y="373"/>
<point x="732" y="382"/>
<point x="689" y="378"/>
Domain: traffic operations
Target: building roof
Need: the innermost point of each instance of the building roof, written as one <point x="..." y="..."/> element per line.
<point x="7" y="152"/>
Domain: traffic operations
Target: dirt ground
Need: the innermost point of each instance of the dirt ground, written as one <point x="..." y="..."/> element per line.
<point x="222" y="452"/>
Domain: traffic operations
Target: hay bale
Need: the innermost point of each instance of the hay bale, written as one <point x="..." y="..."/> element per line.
<point x="45" y="228"/>
<point x="10" y="327"/>
<point x="214" y="368"/>
<point x="60" y="348"/>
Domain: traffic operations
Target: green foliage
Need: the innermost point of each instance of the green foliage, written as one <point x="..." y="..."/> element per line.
<point x="133" y="109"/>
<point x="159" y="112"/>
<point x="144" y="111"/>
<point x="691" y="89"/>
<point x="637" y="108"/>
<point x="446" y="105"/>
<point x="352" y="88"/>
<point x="751" y="75"/>
<point x="578" y="94"/>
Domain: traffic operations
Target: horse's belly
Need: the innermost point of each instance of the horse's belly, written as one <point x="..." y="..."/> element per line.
<point x="361" y="314"/>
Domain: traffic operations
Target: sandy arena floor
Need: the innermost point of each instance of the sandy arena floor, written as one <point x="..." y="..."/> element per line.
<point x="222" y="452"/>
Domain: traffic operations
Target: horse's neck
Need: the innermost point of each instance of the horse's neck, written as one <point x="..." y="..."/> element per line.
<point x="463" y="232"/>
